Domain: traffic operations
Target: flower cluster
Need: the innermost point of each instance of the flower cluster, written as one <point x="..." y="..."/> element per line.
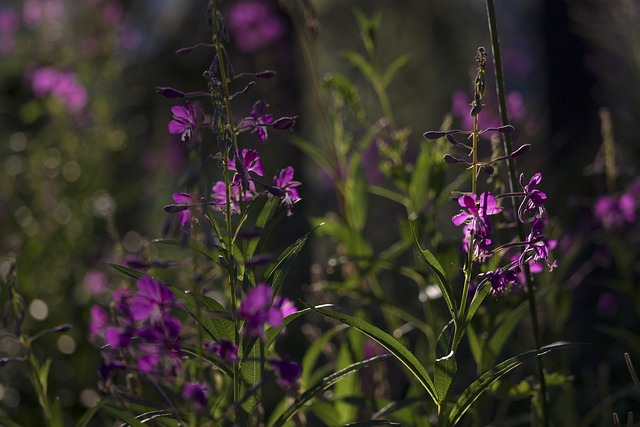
<point x="474" y="217"/>
<point x="143" y="334"/>
<point x="616" y="211"/>
<point x="63" y="86"/>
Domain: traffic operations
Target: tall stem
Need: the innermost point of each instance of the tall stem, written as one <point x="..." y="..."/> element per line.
<point x="513" y="183"/>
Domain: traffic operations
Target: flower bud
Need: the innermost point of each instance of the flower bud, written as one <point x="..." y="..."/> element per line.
<point x="521" y="150"/>
<point x="169" y="92"/>
<point x="434" y="134"/>
<point x="267" y="74"/>
<point x="285" y="123"/>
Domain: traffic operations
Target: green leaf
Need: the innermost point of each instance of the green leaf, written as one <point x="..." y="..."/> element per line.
<point x="312" y="150"/>
<point x="443" y="282"/>
<point x="355" y="197"/>
<point x="324" y="385"/>
<point x="251" y="369"/>
<point x="8" y="423"/>
<point x="134" y="274"/>
<point x="373" y="423"/>
<point x="315" y="350"/>
<point x="485" y="380"/>
<point x="355" y="244"/>
<point x="345" y="388"/>
<point x="481" y="292"/>
<point x="196" y="246"/>
<point x="279" y="270"/>
<point x="445" y="365"/>
<point x="502" y="332"/>
<point x="87" y="416"/>
<point x="393" y="68"/>
<point x="391" y="344"/>
<point x="130" y="420"/>
<point x="347" y="90"/>
<point x="216" y="326"/>
<point x="363" y="65"/>
<point x="272" y="333"/>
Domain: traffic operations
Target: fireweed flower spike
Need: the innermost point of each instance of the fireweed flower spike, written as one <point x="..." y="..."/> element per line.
<point x="259" y="308"/>
<point x="185" y="121"/>
<point x="537" y="245"/>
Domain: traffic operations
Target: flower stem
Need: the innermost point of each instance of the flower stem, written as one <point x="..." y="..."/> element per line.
<point x="513" y="183"/>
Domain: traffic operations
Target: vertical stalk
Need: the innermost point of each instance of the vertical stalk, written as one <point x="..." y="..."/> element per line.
<point x="513" y="183"/>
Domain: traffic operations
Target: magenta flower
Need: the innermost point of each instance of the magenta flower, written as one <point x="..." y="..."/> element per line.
<point x="219" y="195"/>
<point x="224" y="349"/>
<point x="533" y="198"/>
<point x="287" y="371"/>
<point x="537" y="246"/>
<point x="256" y="121"/>
<point x="185" y="121"/>
<point x="613" y="212"/>
<point x="254" y="24"/>
<point x="63" y="86"/>
<point x="196" y="393"/>
<point x="152" y="301"/>
<point x="186" y="200"/>
<point x="259" y="308"/>
<point x="476" y="221"/>
<point x="249" y="162"/>
<point x="287" y="186"/>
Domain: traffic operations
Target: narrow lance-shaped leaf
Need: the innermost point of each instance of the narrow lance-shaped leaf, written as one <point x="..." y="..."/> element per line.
<point x="485" y="380"/>
<point x="445" y="365"/>
<point x="443" y="282"/>
<point x="276" y="274"/>
<point x="391" y="344"/>
<point x="323" y="385"/>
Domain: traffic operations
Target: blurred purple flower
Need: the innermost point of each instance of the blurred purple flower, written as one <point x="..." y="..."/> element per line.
<point x="287" y="371"/>
<point x="98" y="322"/>
<point x="62" y="85"/>
<point x="256" y="121"/>
<point x="461" y="105"/>
<point x="224" y="349"/>
<point x="284" y="181"/>
<point x="257" y="309"/>
<point x="614" y="212"/>
<point x="36" y="11"/>
<point x="95" y="282"/>
<point x="152" y="301"/>
<point x="196" y="393"/>
<point x="254" y="24"/>
<point x="185" y="121"/>
<point x="9" y="23"/>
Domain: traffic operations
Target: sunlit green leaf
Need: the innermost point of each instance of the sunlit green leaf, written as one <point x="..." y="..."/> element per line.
<point x="485" y="380"/>
<point x="391" y="344"/>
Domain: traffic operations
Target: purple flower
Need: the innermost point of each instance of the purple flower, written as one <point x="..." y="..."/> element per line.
<point x="537" y="246"/>
<point x="288" y="193"/>
<point x="152" y="301"/>
<point x="256" y="121"/>
<point x="250" y="162"/>
<point x="186" y="199"/>
<point x="501" y="281"/>
<point x="257" y="309"/>
<point x="614" y="212"/>
<point x="254" y="25"/>
<point x="533" y="198"/>
<point x="224" y="349"/>
<point x="219" y="196"/>
<point x="64" y="86"/>
<point x="196" y="393"/>
<point x="185" y="121"/>
<point x="287" y="371"/>
<point x="476" y="221"/>
<point x="99" y="321"/>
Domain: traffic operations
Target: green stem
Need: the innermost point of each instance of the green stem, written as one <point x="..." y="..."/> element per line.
<point x="513" y="183"/>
